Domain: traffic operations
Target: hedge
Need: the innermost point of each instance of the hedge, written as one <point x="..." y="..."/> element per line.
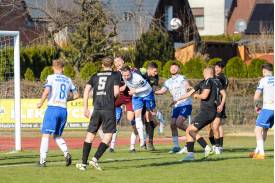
<point x="254" y="69"/>
<point x="45" y="72"/>
<point x="194" y="68"/>
<point x="213" y="61"/>
<point x="29" y="75"/>
<point x="69" y="71"/>
<point x="236" y="68"/>
<point x="88" y="70"/>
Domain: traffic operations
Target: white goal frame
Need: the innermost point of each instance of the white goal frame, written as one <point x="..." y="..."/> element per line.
<point x="17" y="90"/>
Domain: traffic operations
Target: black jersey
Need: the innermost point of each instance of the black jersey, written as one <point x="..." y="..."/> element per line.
<point x="103" y="89"/>
<point x="153" y="81"/>
<point x="223" y="79"/>
<point x="213" y="98"/>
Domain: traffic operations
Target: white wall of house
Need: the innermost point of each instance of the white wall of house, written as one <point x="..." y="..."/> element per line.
<point x="214" y="16"/>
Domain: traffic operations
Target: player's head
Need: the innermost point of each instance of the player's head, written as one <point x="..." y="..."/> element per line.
<point x="58" y="65"/>
<point x="267" y="69"/>
<point x="107" y="62"/>
<point x="218" y="67"/>
<point x="126" y="72"/>
<point x="208" y="72"/>
<point x="174" y="68"/>
<point x="152" y="69"/>
<point x="118" y="62"/>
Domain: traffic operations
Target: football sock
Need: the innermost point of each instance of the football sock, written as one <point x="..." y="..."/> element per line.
<point x="221" y="141"/>
<point x="190" y="147"/>
<point x="139" y="126"/>
<point x="62" y="145"/>
<point x="151" y="132"/>
<point x="202" y="142"/>
<point x="86" y="152"/>
<point x="100" y="150"/>
<point x="212" y="140"/>
<point x="217" y="142"/>
<point x="113" y="142"/>
<point x="44" y="149"/>
<point x="133" y="140"/>
<point x="260" y="146"/>
<point x="175" y="141"/>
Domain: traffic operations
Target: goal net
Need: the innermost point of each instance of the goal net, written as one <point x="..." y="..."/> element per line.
<point x="10" y="111"/>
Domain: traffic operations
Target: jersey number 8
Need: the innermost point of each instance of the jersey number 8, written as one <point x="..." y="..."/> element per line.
<point x="62" y="94"/>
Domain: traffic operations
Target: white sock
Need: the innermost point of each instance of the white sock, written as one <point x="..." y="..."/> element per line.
<point x="161" y="128"/>
<point x="256" y="150"/>
<point x="133" y="141"/>
<point x="175" y="141"/>
<point x="260" y="146"/>
<point x="145" y="136"/>
<point x="139" y="126"/>
<point x="62" y="145"/>
<point x="113" y="142"/>
<point x="44" y="149"/>
<point x="100" y="133"/>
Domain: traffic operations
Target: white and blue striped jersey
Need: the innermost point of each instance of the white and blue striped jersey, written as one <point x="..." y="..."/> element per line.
<point x="138" y="83"/>
<point x="177" y="86"/>
<point x="266" y="86"/>
<point x="60" y="85"/>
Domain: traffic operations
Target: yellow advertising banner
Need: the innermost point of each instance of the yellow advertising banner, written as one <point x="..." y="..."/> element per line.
<point x="31" y="114"/>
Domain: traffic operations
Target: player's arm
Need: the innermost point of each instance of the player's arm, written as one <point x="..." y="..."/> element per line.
<point x="44" y="96"/>
<point x="190" y="92"/>
<point x="257" y="96"/>
<point x="86" y="95"/>
<point x="116" y="85"/>
<point x="73" y="94"/>
<point x="205" y="93"/>
<point x="161" y="91"/>
<point x="223" y="95"/>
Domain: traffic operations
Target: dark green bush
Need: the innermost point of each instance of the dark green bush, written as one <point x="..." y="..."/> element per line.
<point x="88" y="70"/>
<point x="69" y="71"/>
<point x="236" y="68"/>
<point x="45" y="72"/>
<point x="29" y="75"/>
<point x="166" y="68"/>
<point x="254" y="69"/>
<point x="213" y="61"/>
<point x="194" y="68"/>
<point x="154" y="45"/>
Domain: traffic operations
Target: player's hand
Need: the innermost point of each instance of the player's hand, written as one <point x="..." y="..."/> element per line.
<point x="131" y="91"/>
<point x="220" y="108"/>
<point x="87" y="113"/>
<point x="39" y="105"/>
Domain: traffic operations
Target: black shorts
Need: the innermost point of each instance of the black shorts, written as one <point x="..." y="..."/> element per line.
<point x="203" y="118"/>
<point x="221" y="114"/>
<point x="106" y="118"/>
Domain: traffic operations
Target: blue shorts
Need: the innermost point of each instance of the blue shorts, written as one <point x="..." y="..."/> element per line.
<point x="118" y="114"/>
<point x="148" y="101"/>
<point x="55" y="119"/>
<point x="184" y="111"/>
<point x="265" y="118"/>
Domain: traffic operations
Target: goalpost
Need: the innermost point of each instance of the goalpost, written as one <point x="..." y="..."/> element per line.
<point x="10" y="75"/>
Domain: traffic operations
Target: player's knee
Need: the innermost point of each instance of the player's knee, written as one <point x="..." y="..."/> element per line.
<point x="192" y="133"/>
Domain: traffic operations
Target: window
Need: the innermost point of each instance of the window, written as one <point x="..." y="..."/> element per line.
<point x="198" y="14"/>
<point x="168" y="15"/>
<point x="127" y="16"/>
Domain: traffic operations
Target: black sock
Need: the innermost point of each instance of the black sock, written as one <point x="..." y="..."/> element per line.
<point x="202" y="142"/>
<point x="151" y="132"/>
<point x="86" y="151"/>
<point x="221" y="141"/>
<point x="212" y="140"/>
<point x="100" y="150"/>
<point x="190" y="146"/>
<point x="217" y="142"/>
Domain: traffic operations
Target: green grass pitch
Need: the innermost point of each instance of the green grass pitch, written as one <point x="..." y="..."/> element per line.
<point x="159" y="166"/>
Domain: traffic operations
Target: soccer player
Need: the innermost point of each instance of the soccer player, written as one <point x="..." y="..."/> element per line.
<point x="217" y="123"/>
<point x="265" y="118"/>
<point x="209" y="95"/>
<point x="151" y="76"/>
<point x="216" y="132"/>
<point x="105" y="86"/>
<point x="177" y="85"/>
<point x="58" y="89"/>
<point x="125" y="99"/>
<point x="143" y="95"/>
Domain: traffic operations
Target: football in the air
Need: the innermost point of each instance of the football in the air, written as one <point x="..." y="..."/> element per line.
<point x="175" y="23"/>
